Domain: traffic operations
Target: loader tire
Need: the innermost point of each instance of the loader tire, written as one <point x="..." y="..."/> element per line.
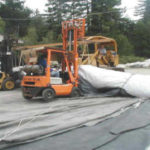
<point x="8" y="84"/>
<point x="75" y="92"/>
<point x="48" y="94"/>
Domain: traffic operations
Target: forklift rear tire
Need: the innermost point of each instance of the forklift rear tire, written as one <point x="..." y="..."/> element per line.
<point x="8" y="84"/>
<point x="75" y="92"/>
<point x="48" y="94"/>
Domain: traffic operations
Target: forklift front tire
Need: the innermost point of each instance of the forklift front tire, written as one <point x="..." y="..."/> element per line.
<point x="75" y="92"/>
<point x="48" y="94"/>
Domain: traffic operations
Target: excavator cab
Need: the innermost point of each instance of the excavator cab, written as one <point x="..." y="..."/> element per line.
<point x="48" y="80"/>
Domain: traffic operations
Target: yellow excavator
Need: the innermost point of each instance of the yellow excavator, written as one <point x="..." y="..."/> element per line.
<point x="89" y="52"/>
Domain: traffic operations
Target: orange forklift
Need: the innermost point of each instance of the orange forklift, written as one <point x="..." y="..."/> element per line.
<point x="39" y="80"/>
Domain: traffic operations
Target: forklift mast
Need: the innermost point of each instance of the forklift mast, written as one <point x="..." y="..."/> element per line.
<point x="72" y="31"/>
<point x="6" y="56"/>
<point x="7" y="78"/>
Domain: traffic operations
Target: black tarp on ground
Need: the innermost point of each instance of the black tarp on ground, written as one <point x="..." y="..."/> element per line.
<point x="24" y="121"/>
<point x="129" y="131"/>
<point x="87" y="89"/>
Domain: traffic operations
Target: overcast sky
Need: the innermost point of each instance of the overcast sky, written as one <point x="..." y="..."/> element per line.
<point x="40" y="5"/>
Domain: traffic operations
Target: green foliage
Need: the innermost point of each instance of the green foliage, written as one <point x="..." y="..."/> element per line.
<point x="126" y="27"/>
<point x="130" y="59"/>
<point x="106" y="20"/>
<point x="31" y="38"/>
<point x="142" y="39"/>
<point x="140" y="36"/>
<point x="60" y="10"/>
<point x="143" y="10"/>
<point x="147" y="11"/>
<point x="75" y="9"/>
<point x="2" y="25"/>
<point x="59" y="39"/>
<point x="55" y="15"/>
<point x="12" y="11"/>
<point x="104" y="17"/>
<point x="124" y="46"/>
<point x="49" y="38"/>
<point x="40" y="24"/>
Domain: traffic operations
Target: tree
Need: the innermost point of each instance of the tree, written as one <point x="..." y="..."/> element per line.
<point x="147" y="10"/>
<point x="142" y="39"/>
<point x="104" y="16"/>
<point x="55" y="16"/>
<point x="40" y="24"/>
<point x="143" y="9"/>
<point x="60" y="10"/>
<point x="2" y="25"/>
<point x="16" y="16"/>
<point x="55" y="8"/>
<point x="48" y="38"/>
<point x="125" y="48"/>
<point x="31" y="38"/>
<point x="75" y="9"/>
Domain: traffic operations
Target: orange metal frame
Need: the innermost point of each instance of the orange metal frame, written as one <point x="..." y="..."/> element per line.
<point x="78" y="28"/>
<point x="44" y="81"/>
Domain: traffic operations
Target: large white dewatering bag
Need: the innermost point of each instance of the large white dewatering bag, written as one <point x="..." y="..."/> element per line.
<point x="144" y="64"/>
<point x="133" y="84"/>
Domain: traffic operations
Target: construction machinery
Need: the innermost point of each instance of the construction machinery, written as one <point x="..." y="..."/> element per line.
<point x="7" y="77"/>
<point x="41" y="82"/>
<point x="6" y="81"/>
<point x="89" y="51"/>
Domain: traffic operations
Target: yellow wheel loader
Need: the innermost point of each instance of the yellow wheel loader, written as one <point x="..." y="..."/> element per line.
<point x="6" y="82"/>
<point x="8" y="60"/>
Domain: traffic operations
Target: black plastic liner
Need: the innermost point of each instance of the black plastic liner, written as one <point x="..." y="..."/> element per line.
<point x="87" y="89"/>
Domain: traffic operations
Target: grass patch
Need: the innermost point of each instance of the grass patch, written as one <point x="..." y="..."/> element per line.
<point x="130" y="59"/>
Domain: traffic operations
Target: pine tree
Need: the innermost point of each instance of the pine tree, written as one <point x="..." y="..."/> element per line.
<point x="143" y="9"/>
<point x="55" y="10"/>
<point x="142" y="30"/>
<point x="13" y="12"/>
<point x="60" y="10"/>
<point x="2" y="25"/>
<point x="76" y="8"/>
<point x="40" y="24"/>
<point x="147" y="10"/>
<point x="67" y="9"/>
<point x="104" y="16"/>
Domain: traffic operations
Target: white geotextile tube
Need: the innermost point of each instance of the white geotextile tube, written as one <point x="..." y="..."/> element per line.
<point x="144" y="64"/>
<point x="134" y="84"/>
